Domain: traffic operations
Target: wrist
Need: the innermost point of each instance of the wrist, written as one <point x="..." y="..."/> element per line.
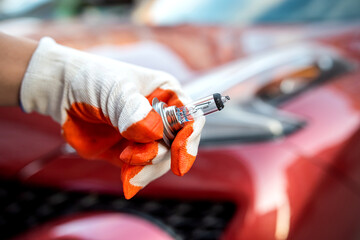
<point x="15" y="55"/>
<point x="41" y="87"/>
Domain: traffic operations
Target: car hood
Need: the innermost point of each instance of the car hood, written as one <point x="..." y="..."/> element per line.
<point x="194" y="49"/>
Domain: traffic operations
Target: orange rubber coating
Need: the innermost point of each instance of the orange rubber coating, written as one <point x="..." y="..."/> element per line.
<point x="167" y="96"/>
<point x="88" y="131"/>
<point x="127" y="173"/>
<point x="147" y="130"/>
<point x="139" y="153"/>
<point x="181" y="160"/>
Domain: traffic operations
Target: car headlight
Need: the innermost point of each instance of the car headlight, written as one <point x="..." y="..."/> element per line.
<point x="258" y="85"/>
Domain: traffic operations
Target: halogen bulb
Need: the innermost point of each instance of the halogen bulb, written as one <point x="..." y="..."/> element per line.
<point x="174" y="118"/>
<point x="201" y="107"/>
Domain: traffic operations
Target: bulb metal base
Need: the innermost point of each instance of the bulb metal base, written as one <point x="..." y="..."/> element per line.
<point x="169" y="119"/>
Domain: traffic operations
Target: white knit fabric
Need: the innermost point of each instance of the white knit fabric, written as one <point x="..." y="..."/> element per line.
<point x="58" y="76"/>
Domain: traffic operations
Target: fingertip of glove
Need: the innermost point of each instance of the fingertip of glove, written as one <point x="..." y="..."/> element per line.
<point x="127" y="173"/>
<point x="130" y="190"/>
<point x="183" y="165"/>
<point x="146" y="130"/>
<point x="181" y="160"/>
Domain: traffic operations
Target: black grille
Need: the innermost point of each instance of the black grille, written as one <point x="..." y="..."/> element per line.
<point x="23" y="207"/>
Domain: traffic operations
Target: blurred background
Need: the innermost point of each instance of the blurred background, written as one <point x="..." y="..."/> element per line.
<point x="280" y="162"/>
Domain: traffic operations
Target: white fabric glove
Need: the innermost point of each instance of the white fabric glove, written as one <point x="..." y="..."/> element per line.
<point x="104" y="109"/>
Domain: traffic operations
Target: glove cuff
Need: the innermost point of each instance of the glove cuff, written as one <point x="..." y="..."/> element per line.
<point x="42" y="86"/>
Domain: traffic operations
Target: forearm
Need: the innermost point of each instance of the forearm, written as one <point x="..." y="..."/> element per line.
<point x="15" y="56"/>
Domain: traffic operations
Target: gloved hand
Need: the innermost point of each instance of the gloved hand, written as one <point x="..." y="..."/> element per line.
<point x="104" y="108"/>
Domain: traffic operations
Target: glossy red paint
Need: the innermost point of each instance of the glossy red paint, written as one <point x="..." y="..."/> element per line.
<point x="17" y="148"/>
<point x="105" y="226"/>
<point x="303" y="186"/>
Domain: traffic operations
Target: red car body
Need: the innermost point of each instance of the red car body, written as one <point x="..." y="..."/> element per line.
<point x="304" y="185"/>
